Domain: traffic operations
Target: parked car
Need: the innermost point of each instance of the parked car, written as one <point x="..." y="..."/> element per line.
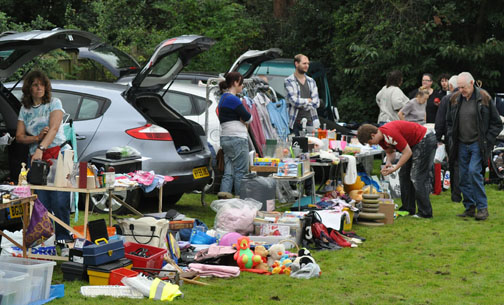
<point x="107" y="115"/>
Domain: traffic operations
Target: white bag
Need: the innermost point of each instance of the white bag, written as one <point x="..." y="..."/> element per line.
<point x="440" y="154"/>
<point x="146" y="231"/>
<point x="47" y="247"/>
<point x="64" y="168"/>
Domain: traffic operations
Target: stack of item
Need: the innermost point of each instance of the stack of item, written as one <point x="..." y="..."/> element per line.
<point x="369" y="216"/>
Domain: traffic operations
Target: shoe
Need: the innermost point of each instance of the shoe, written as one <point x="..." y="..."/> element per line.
<point x="456" y="197"/>
<point x="353" y="235"/>
<point x="224" y="195"/>
<point x="482" y="214"/>
<point x="342" y="242"/>
<point x="470" y="212"/>
<point x="421" y="216"/>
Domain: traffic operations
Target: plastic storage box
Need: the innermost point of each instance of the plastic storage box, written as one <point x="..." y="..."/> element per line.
<point x="12" y="288"/>
<point x="117" y="275"/>
<point x="39" y="272"/>
<point x="103" y="252"/>
<point x="100" y="275"/>
<point x="73" y="271"/>
<point x="154" y="257"/>
<point x="110" y="230"/>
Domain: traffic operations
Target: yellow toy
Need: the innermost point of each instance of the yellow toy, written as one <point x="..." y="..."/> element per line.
<point x="263" y="252"/>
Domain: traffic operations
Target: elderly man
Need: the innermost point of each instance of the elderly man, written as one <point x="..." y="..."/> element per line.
<point x="302" y="96"/>
<point x="440" y="128"/>
<point x="473" y="123"/>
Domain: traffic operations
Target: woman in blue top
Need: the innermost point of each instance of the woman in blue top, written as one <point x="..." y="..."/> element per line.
<point x="234" y="119"/>
<point x="39" y="126"/>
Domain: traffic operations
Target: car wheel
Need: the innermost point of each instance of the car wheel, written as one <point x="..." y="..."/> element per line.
<point x="172" y="199"/>
<point x="99" y="202"/>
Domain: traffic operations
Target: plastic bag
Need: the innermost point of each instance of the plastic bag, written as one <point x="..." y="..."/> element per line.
<point x="235" y="215"/>
<point x="440" y="154"/>
<point x="46" y="247"/>
<point x="126" y="151"/>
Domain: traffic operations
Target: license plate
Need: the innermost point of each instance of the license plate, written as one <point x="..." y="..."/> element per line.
<point x="16" y="211"/>
<point x="200" y="172"/>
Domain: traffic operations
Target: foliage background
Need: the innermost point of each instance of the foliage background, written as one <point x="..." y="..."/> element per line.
<point x="358" y="41"/>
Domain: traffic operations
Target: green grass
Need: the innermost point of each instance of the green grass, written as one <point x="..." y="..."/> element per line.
<point x="444" y="260"/>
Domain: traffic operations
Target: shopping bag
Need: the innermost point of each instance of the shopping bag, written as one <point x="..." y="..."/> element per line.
<point x="40" y="226"/>
<point x="440" y="154"/>
<point x="146" y="230"/>
<point x="394" y="186"/>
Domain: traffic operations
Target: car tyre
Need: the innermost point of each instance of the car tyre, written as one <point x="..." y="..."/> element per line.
<point x="171" y="199"/>
<point x="98" y="202"/>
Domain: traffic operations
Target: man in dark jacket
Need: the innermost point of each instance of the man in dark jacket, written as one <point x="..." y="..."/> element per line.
<point x="440" y="128"/>
<point x="473" y="124"/>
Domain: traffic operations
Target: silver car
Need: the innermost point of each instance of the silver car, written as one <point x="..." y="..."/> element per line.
<point x="107" y="115"/>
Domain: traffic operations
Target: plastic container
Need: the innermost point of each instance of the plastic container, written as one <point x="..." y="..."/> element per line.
<point x="348" y="226"/>
<point x="38" y="283"/>
<point x="117" y="275"/>
<point x="73" y="271"/>
<point x="103" y="252"/>
<point x="12" y="288"/>
<point x="100" y="275"/>
<point x="154" y="259"/>
<point x="110" y="230"/>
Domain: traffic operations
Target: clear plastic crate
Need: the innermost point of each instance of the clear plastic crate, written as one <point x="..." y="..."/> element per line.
<point x="12" y="289"/>
<point x="38" y="283"/>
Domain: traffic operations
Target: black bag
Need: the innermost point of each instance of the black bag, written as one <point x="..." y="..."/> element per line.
<point x="37" y="174"/>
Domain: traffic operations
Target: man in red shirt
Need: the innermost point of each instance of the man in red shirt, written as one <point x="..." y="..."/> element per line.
<point x="417" y="145"/>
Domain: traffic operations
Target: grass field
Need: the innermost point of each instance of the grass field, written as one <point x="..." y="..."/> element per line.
<point x="444" y="260"/>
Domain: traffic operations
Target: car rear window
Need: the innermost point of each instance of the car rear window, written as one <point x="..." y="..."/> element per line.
<point x="7" y="57"/>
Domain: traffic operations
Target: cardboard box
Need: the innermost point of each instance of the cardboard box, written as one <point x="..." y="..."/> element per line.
<point x="388" y="210"/>
<point x="290" y="169"/>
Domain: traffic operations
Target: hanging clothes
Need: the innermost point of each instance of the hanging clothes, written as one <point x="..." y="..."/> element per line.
<point x="255" y="125"/>
<point x="279" y="118"/>
<point x="261" y="100"/>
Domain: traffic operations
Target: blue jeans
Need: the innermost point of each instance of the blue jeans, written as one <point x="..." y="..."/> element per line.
<point x="236" y="163"/>
<point x="471" y="184"/>
<point x="414" y="177"/>
<point x="57" y="203"/>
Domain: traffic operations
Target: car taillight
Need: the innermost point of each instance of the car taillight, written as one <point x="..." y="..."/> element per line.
<point x="150" y="132"/>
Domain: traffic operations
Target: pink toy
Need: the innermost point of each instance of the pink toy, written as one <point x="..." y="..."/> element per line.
<point x="229" y="239"/>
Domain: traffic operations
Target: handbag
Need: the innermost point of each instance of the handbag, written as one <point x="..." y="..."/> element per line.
<point x="40" y="225"/>
<point x="146" y="231"/>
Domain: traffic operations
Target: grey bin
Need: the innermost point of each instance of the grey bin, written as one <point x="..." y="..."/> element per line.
<point x="262" y="189"/>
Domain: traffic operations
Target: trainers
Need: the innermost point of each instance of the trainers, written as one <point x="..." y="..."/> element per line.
<point x="482" y="214"/>
<point x="420" y="216"/>
<point x="224" y="195"/>
<point x="470" y="212"/>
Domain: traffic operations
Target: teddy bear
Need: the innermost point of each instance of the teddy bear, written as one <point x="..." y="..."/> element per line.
<point x="263" y="252"/>
<point x="275" y="254"/>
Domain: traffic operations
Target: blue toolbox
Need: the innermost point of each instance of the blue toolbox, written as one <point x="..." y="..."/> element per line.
<point x="102" y="252"/>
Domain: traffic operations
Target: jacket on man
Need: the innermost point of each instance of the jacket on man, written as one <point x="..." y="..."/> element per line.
<point x="488" y="122"/>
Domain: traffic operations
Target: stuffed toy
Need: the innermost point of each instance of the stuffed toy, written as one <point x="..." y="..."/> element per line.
<point x="275" y="253"/>
<point x="261" y="250"/>
<point x="245" y="258"/>
<point x="304" y="258"/>
<point x="278" y="268"/>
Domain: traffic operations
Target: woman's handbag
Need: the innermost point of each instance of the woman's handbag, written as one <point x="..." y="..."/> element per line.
<point x="146" y="231"/>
